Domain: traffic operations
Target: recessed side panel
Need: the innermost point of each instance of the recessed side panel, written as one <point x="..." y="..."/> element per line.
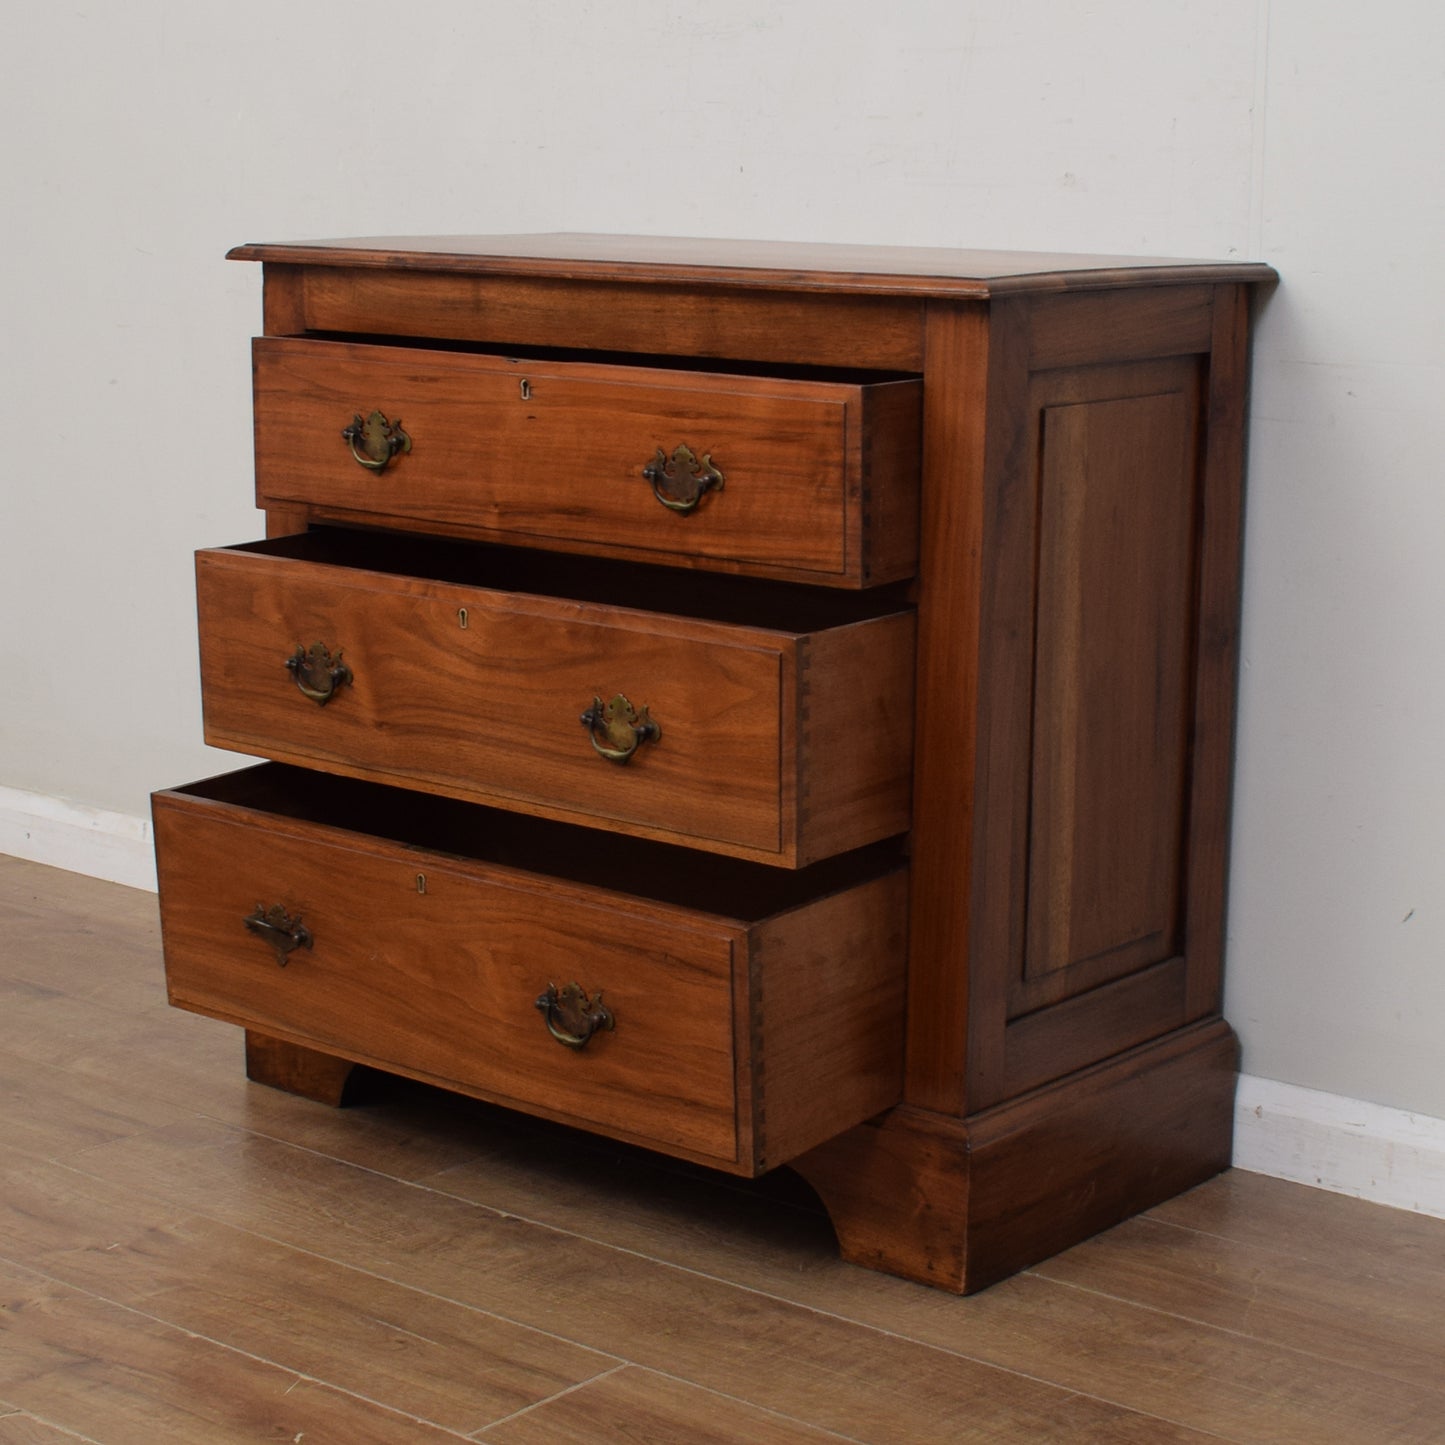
<point x="1112" y="692"/>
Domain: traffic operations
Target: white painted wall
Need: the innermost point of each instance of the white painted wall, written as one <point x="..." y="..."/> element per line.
<point x="140" y="141"/>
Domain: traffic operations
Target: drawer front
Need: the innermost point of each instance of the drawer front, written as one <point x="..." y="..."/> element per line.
<point x="443" y="984"/>
<point x="802" y="479"/>
<point x="738" y="1043"/>
<point x="492" y="710"/>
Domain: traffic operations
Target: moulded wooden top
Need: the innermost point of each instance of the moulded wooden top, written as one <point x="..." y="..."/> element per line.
<point x="770" y="265"/>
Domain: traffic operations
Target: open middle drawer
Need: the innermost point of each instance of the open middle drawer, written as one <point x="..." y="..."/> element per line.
<point x="762" y="720"/>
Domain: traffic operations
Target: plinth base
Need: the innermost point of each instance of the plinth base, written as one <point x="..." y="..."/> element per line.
<point x="963" y="1203"/>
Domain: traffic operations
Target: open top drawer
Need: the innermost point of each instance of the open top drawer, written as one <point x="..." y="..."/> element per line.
<point x="783" y="476"/>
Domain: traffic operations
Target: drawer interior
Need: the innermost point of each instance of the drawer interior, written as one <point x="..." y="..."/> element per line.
<point x="742" y="601"/>
<point x="725" y="887"/>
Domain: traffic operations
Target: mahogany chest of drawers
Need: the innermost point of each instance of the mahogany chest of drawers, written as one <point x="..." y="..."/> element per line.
<point x="767" y="703"/>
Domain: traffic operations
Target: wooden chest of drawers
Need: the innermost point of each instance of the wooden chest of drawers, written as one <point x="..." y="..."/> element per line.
<point x="767" y="703"/>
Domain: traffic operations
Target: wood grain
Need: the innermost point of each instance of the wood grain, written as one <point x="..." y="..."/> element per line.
<point x="827" y="985"/>
<point x="51" y="1113"/>
<point x="549" y="453"/>
<point x="456" y="1367"/>
<point x="1220" y="561"/>
<point x="1075" y="493"/>
<point x="733" y="1290"/>
<point x="1007" y="592"/>
<point x="633" y="1404"/>
<point x="1225" y="1383"/>
<point x="430" y="965"/>
<point x="145" y="1381"/>
<point x="1108" y="1019"/>
<point x="1351" y="1317"/>
<point x="854" y="759"/>
<point x="17" y="1427"/>
<point x="959" y="1204"/>
<point x="1080" y="330"/>
<point x="662" y="319"/>
<point x="945" y="731"/>
<point x="1111" y="688"/>
<point x="774" y="265"/>
<point x="465" y="711"/>
<point x="765" y="1352"/>
<point x="308" y="1073"/>
<point x="489" y="943"/>
<point x="1313" y="1225"/>
<point x="283" y="299"/>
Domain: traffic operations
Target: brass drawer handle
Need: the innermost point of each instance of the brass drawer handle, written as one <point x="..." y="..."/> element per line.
<point x="681" y="481"/>
<point x="616" y="729"/>
<point x="279" y="929"/>
<point x="317" y="673"/>
<point x="572" y="1018"/>
<point x="379" y="440"/>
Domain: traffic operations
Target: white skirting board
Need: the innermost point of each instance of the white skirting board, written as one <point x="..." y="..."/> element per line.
<point x="78" y="838"/>
<point x="1347" y="1146"/>
<point x="1344" y="1145"/>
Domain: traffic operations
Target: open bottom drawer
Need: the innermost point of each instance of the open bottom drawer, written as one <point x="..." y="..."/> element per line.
<point x="750" y="1013"/>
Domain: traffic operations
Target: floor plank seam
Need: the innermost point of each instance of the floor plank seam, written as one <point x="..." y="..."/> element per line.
<point x="834" y="1316"/>
<point x="50" y="1425"/>
<point x="1436" y="1384"/>
<point x="1281" y="1250"/>
<point x="302" y="1376"/>
<point x="1193" y="1229"/>
<point x="821" y="1313"/>
<point x="1063" y="1390"/>
<point x="1258" y="1261"/>
<point x="751" y="1405"/>
<point x="623" y="1362"/>
<point x="562" y="1394"/>
<point x="322" y="1154"/>
<point x="538" y="1330"/>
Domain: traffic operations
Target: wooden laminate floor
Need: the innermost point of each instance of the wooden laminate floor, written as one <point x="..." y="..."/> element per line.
<point x="187" y="1257"/>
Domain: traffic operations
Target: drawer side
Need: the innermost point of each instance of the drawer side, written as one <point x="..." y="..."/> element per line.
<point x="828" y="998"/>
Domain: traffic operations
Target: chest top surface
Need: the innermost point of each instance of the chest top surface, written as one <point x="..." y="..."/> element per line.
<point x="773" y="265"/>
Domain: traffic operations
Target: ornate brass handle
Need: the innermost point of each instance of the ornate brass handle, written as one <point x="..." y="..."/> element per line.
<point x="681" y="481"/>
<point x="317" y="673"/>
<point x="572" y="1018"/>
<point x="379" y="440"/>
<point x="617" y="729"/>
<point x="284" y="933"/>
